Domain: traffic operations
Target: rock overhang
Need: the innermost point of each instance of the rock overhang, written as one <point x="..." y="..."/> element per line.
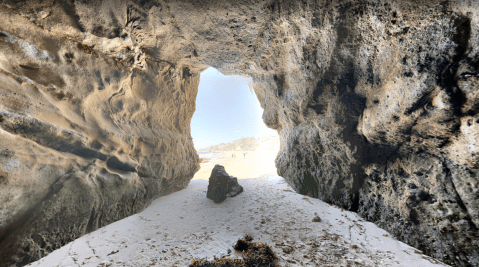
<point x="367" y="98"/>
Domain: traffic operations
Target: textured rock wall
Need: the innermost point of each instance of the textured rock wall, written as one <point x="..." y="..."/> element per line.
<point x="92" y="129"/>
<point x="375" y="103"/>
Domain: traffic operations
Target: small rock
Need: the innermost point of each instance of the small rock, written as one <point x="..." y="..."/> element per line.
<point x="316" y="219"/>
<point x="221" y="185"/>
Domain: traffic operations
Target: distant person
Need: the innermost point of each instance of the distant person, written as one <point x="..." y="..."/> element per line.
<point x="244" y="155"/>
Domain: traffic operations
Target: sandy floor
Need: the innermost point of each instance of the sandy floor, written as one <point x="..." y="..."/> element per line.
<point x="184" y="225"/>
<point x="254" y="164"/>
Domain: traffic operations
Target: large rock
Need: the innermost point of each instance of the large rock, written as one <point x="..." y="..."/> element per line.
<point x="375" y="102"/>
<point x="221" y="185"/>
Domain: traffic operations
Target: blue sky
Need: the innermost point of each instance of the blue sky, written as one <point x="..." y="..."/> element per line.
<point x="226" y="110"/>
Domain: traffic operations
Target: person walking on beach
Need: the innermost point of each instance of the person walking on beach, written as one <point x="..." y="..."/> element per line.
<point x="244" y="155"/>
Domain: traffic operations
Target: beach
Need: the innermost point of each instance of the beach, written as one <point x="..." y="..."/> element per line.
<point x="185" y="225"/>
<point x="246" y="164"/>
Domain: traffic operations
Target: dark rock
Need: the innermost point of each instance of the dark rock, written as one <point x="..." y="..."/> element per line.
<point x="424" y="196"/>
<point x="316" y="219"/>
<point x="233" y="187"/>
<point x="221" y="185"/>
<point x="412" y="186"/>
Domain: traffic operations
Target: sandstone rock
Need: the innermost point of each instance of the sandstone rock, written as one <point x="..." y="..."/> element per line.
<point x="367" y="97"/>
<point x="87" y="136"/>
<point x="316" y="219"/>
<point x="221" y="185"/>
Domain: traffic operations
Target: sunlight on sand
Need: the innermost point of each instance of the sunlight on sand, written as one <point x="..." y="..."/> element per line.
<point x="254" y="164"/>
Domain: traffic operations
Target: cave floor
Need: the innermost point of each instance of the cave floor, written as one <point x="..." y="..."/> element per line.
<point x="185" y="225"/>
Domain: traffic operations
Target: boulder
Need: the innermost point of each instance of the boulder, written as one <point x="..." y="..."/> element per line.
<point x="222" y="185"/>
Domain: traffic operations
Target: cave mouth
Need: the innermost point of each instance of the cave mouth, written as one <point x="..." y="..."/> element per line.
<point x="227" y="127"/>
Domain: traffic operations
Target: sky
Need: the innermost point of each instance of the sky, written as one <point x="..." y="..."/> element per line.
<point x="226" y="110"/>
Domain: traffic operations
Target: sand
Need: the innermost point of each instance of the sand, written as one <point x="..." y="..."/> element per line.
<point x="253" y="164"/>
<point x="186" y="225"/>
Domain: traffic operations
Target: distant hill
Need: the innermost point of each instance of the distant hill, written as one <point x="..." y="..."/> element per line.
<point x="246" y="144"/>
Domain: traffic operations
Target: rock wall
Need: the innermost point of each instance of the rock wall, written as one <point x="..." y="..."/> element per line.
<point x="375" y="102"/>
<point x="92" y="129"/>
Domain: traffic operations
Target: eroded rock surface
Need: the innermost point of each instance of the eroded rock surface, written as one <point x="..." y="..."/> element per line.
<point x="376" y="105"/>
<point x="90" y="133"/>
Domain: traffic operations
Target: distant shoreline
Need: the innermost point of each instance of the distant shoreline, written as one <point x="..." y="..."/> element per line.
<point x="244" y="144"/>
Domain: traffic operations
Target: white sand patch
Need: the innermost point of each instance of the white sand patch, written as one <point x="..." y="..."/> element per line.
<point x="179" y="227"/>
<point x="244" y="165"/>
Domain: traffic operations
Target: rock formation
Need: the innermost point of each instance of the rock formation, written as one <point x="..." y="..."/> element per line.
<point x="221" y="185"/>
<point x="375" y="102"/>
<point x="91" y="128"/>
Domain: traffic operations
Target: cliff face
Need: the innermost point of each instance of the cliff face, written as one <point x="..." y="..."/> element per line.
<point x="246" y="144"/>
<point x="91" y="130"/>
<point x="375" y="102"/>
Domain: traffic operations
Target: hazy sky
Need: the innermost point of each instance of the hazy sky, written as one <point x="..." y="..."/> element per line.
<point x="226" y="110"/>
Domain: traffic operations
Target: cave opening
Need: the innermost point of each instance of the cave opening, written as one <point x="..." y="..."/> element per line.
<point x="227" y="127"/>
